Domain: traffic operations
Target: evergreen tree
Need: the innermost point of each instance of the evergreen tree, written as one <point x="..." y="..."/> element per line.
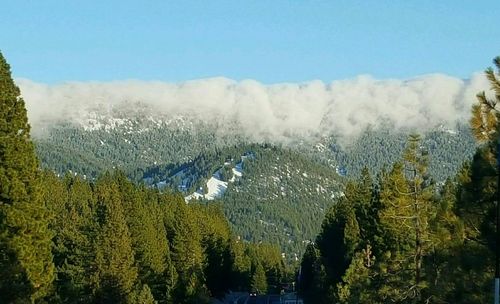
<point x="339" y="236"/>
<point x="72" y="202"/>
<point x="485" y="124"/>
<point x="444" y="265"/>
<point x="215" y="240"/>
<point x="312" y="279"/>
<point x="407" y="209"/>
<point x="476" y="200"/>
<point x="148" y="233"/>
<point x="259" y="280"/>
<point x="187" y="253"/>
<point x="376" y="240"/>
<point x="349" y="230"/>
<point x="421" y="192"/>
<point x="144" y="296"/>
<point x="485" y="115"/>
<point x="116" y="272"/>
<point x="241" y="266"/>
<point x="26" y="268"/>
<point x="355" y="286"/>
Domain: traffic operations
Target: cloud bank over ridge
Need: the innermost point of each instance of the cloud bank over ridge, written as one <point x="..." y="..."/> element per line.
<point x="277" y="111"/>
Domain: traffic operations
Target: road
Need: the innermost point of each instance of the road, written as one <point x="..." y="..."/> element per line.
<point x="264" y="299"/>
<point x="245" y="298"/>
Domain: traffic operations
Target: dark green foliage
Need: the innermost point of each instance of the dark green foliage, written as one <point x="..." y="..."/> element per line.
<point x="476" y="203"/>
<point x="116" y="242"/>
<point x="406" y="210"/>
<point x="426" y="244"/>
<point x="279" y="198"/>
<point x="142" y="146"/>
<point x="144" y="296"/>
<point x="273" y="202"/>
<point x="349" y="227"/>
<point x="115" y="270"/>
<point x="258" y="281"/>
<point x="389" y="240"/>
<point x="312" y="280"/>
<point x="26" y="268"/>
<point x="73" y="203"/>
<point x="185" y="155"/>
<point x="376" y="148"/>
<point x="397" y="238"/>
<point x="138" y="146"/>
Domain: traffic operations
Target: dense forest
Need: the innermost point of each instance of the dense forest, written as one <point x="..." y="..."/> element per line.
<point x="398" y="237"/>
<point x="117" y="242"/>
<point x="284" y="189"/>
<point x="71" y="240"/>
<point x="279" y="199"/>
<point x="395" y="231"/>
<point x="142" y="145"/>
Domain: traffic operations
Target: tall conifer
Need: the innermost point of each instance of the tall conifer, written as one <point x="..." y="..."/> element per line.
<point x="115" y="264"/>
<point x="407" y="209"/>
<point x="26" y="268"/>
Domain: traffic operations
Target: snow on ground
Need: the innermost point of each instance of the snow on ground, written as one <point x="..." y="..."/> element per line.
<point x="216" y="188"/>
<point x="237" y="172"/>
<point x="238" y="169"/>
<point x="195" y="195"/>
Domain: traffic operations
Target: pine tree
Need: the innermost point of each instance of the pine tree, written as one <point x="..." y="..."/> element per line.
<point x="116" y="273"/>
<point x="407" y="210"/>
<point x="485" y="115"/>
<point x="259" y="280"/>
<point x="144" y="296"/>
<point x="476" y="202"/>
<point x="241" y="267"/>
<point x="485" y="124"/>
<point x="75" y="229"/>
<point x="444" y="264"/>
<point x="148" y="234"/>
<point x="356" y="283"/>
<point x="339" y="236"/>
<point x="312" y="283"/>
<point x="187" y="253"/>
<point x="26" y="268"/>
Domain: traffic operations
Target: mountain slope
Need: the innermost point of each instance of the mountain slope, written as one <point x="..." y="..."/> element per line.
<point x="269" y="192"/>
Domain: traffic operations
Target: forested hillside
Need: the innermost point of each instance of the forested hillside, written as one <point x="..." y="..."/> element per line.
<point x="138" y="141"/>
<point x="375" y="149"/>
<point x="133" y="144"/>
<point x="279" y="198"/>
<point x="284" y="189"/>
<point x="71" y="240"/>
<point x="115" y="242"/>
<point x="398" y="237"/>
<point x="145" y="209"/>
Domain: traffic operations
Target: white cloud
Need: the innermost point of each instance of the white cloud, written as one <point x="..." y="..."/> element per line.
<point x="272" y="112"/>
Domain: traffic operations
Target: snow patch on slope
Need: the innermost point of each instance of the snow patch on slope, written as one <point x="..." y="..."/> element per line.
<point x="216" y="187"/>
<point x="237" y="172"/>
<point x="195" y="195"/>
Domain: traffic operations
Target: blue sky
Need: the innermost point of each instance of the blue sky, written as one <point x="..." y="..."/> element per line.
<point x="270" y="41"/>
